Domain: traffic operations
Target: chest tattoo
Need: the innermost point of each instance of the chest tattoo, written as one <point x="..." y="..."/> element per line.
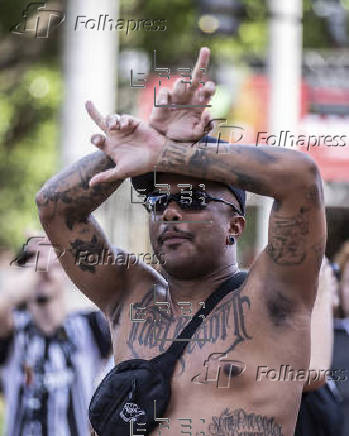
<point x="159" y="329"/>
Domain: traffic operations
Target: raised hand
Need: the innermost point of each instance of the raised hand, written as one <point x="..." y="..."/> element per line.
<point x="185" y="123"/>
<point x="128" y="141"/>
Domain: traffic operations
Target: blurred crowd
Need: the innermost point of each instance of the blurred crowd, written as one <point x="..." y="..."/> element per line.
<point x="50" y="356"/>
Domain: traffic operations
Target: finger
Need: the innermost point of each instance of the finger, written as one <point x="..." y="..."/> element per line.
<point x="162" y="97"/>
<point x="98" y="140"/>
<point x="209" y="123"/>
<point x="106" y="176"/>
<point x="205" y="125"/>
<point x="202" y="62"/>
<point x="170" y="98"/>
<point x="128" y="122"/>
<point x="179" y="91"/>
<point x="202" y="96"/>
<point x="113" y="122"/>
<point x="95" y="115"/>
<point x="207" y="91"/>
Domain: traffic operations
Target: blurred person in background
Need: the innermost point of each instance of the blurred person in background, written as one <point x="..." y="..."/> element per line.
<point x="49" y="357"/>
<point x="341" y="329"/>
<point x="320" y="413"/>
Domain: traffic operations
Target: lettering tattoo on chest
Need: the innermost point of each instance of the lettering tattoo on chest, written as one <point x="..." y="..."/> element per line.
<point x="239" y="422"/>
<point x="226" y="321"/>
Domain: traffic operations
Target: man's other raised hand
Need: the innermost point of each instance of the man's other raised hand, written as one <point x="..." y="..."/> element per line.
<point x="128" y="141"/>
<point x="174" y="119"/>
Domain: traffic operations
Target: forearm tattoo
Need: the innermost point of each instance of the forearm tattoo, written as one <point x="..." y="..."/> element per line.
<point x="69" y="192"/>
<point x="222" y="167"/>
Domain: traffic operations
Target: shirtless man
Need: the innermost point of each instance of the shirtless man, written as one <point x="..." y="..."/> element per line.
<point x="265" y="324"/>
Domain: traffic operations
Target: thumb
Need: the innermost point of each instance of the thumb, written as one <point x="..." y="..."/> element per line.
<point x="205" y="125"/>
<point x="110" y="175"/>
<point x="98" y="141"/>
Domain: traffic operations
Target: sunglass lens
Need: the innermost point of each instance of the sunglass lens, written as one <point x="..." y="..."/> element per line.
<point x="156" y="203"/>
<point x="196" y="201"/>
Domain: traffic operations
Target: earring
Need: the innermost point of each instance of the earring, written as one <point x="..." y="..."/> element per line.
<point x="229" y="240"/>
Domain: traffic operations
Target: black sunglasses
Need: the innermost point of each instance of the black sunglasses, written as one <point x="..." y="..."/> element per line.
<point x="198" y="200"/>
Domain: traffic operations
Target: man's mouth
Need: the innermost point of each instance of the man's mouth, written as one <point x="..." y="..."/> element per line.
<point x="174" y="238"/>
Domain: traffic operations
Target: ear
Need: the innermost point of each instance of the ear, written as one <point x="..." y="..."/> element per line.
<point x="237" y="225"/>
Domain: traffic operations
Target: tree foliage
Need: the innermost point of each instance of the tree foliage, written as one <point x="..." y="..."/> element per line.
<point x="30" y="99"/>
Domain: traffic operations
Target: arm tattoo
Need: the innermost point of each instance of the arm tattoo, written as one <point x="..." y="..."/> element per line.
<point x="315" y="195"/>
<point x="69" y="192"/>
<point x="261" y="156"/>
<point x="240" y="422"/>
<point x="82" y="249"/>
<point x="287" y="240"/>
<point x="173" y="154"/>
<point x="204" y="162"/>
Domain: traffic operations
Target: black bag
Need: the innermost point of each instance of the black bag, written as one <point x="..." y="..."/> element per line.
<point x="137" y="392"/>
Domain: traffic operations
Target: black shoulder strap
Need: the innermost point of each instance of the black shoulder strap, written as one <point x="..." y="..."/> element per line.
<point x="178" y="345"/>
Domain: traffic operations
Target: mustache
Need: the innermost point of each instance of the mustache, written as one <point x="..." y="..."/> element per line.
<point x="174" y="231"/>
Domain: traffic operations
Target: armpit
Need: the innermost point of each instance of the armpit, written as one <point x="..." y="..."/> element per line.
<point x="280" y="308"/>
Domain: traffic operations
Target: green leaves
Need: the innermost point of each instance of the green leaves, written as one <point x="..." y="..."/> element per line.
<point x="28" y="147"/>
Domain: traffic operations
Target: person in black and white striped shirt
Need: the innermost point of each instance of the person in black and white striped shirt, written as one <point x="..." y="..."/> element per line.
<point x="49" y="358"/>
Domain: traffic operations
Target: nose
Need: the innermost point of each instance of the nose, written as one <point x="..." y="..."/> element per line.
<point x="172" y="212"/>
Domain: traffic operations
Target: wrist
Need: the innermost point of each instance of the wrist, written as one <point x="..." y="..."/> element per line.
<point x="104" y="160"/>
<point x="174" y="156"/>
<point x="159" y="142"/>
<point x="157" y="128"/>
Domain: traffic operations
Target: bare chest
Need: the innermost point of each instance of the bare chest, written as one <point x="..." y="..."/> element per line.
<point x="149" y="333"/>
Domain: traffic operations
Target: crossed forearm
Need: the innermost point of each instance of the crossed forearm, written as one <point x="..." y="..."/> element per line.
<point x="69" y="194"/>
<point x="265" y="171"/>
